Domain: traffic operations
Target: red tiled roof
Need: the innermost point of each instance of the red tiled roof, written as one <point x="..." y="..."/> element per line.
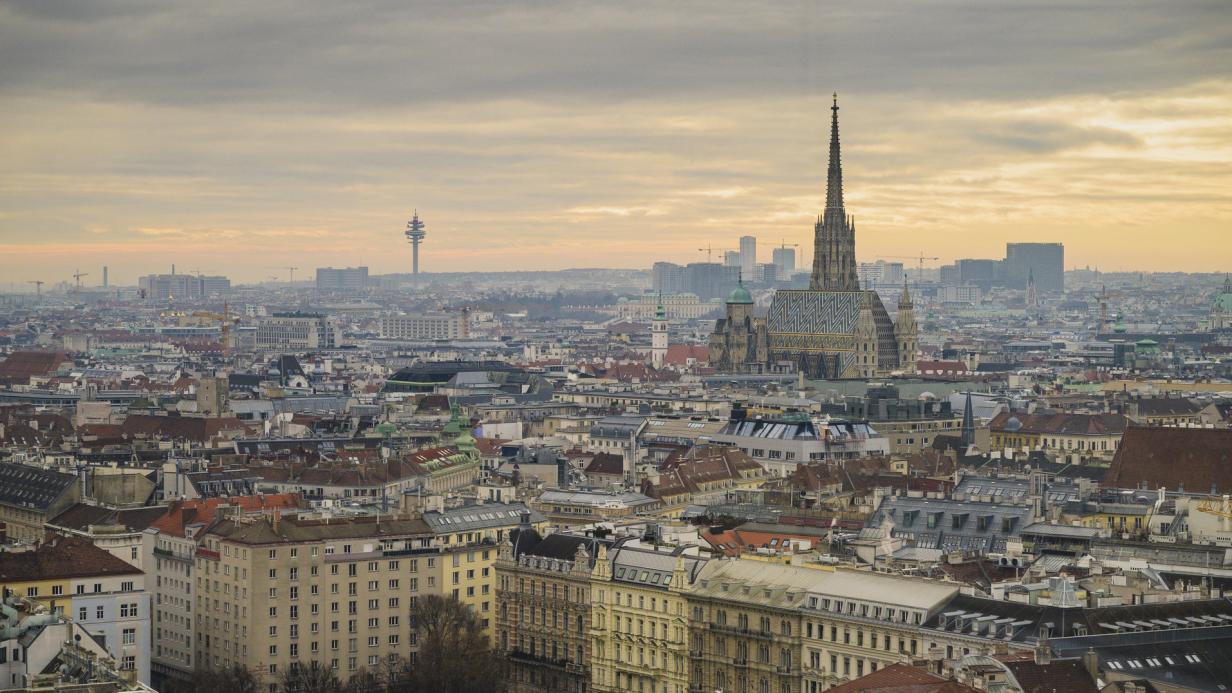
<point x="679" y="354"/>
<point x="202" y="510"/>
<point x="62" y="557"/>
<point x="902" y="677"/>
<point x="197" y="429"/>
<point x="1199" y="459"/>
<point x="20" y="366"/>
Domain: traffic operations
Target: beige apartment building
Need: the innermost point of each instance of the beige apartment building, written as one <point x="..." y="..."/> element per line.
<point x="272" y="593"/>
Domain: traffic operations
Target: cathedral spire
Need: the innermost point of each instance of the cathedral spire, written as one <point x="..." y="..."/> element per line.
<point x="834" y="178"/>
<point x="834" y="243"/>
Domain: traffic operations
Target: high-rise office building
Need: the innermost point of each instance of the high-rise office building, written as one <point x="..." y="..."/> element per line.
<point x="1046" y="261"/>
<point x="731" y="258"/>
<point x="167" y="287"/>
<point x="709" y="280"/>
<point x="785" y="260"/>
<point x="880" y="273"/>
<point x="748" y="254"/>
<point x="667" y="278"/>
<point x="977" y="270"/>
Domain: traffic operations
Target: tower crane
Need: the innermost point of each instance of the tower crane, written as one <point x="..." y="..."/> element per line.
<point x="291" y="270"/>
<point x="921" y="258"/>
<point x="78" y="275"/>
<point x="709" y="250"/>
<point x="38" y="286"/>
<point x="225" y="319"/>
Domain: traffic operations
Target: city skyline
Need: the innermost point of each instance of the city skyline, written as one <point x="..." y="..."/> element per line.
<point x="309" y="142"/>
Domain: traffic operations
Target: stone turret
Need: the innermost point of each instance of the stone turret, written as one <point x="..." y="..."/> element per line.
<point x="866" y="339"/>
<point x="906" y="333"/>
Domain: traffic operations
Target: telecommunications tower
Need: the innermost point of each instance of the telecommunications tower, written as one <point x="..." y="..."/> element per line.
<point x="415" y="233"/>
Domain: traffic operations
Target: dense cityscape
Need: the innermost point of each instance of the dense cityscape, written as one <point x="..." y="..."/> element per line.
<point x="757" y="467"/>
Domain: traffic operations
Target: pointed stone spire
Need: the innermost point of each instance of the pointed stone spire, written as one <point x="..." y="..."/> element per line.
<point x="834" y="177"/>
<point x="834" y="244"/>
<point x="968" y="423"/>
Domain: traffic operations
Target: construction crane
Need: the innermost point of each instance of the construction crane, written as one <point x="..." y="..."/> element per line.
<point x="292" y="273"/>
<point x="1103" y="297"/>
<point x="710" y="250"/>
<point x="785" y="244"/>
<point x="78" y="275"/>
<point x="38" y="286"/>
<point x="921" y="258"/>
<point x="226" y="319"/>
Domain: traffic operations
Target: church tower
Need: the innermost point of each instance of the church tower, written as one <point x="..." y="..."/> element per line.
<point x="866" y="339"/>
<point x="658" y="337"/>
<point x="834" y="235"/>
<point x="906" y="332"/>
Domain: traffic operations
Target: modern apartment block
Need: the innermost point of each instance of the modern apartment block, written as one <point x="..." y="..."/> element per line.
<point x="426" y="326"/>
<point x="296" y="332"/>
<point x="273" y="592"/>
<point x="342" y="278"/>
<point x="169" y="549"/>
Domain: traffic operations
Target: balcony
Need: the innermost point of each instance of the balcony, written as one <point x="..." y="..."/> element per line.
<point x="746" y="632"/>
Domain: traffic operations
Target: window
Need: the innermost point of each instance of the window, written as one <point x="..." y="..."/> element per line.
<point x="130" y="636"/>
<point x="83" y="613"/>
<point x="98" y="613"/>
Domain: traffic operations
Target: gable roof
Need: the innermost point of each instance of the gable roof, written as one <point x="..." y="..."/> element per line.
<point x="902" y="677"/>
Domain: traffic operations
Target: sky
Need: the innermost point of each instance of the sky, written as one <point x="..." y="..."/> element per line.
<point x="241" y="138"/>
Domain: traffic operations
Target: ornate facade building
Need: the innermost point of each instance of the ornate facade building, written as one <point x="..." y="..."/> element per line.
<point x="543" y="603"/>
<point x="639" y="621"/>
<point x="831" y="330"/>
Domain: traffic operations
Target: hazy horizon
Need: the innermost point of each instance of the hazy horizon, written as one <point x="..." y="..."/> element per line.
<point x="238" y="139"/>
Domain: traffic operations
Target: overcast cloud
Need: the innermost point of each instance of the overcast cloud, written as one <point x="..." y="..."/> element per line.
<point x="560" y="134"/>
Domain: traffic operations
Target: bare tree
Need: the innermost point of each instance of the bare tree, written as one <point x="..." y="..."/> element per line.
<point x="364" y="681"/>
<point x="237" y="679"/>
<point x="312" y="678"/>
<point x="454" y="655"/>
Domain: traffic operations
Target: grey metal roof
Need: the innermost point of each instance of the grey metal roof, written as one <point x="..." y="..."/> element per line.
<point x="31" y="487"/>
<point x="473" y="517"/>
<point x="952" y="525"/>
<point x="651" y="568"/>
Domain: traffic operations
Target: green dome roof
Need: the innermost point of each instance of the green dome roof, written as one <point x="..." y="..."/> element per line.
<point x="740" y="295"/>
<point x="1223" y="299"/>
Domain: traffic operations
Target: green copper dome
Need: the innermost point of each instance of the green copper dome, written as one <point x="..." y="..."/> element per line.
<point x="740" y="295"/>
